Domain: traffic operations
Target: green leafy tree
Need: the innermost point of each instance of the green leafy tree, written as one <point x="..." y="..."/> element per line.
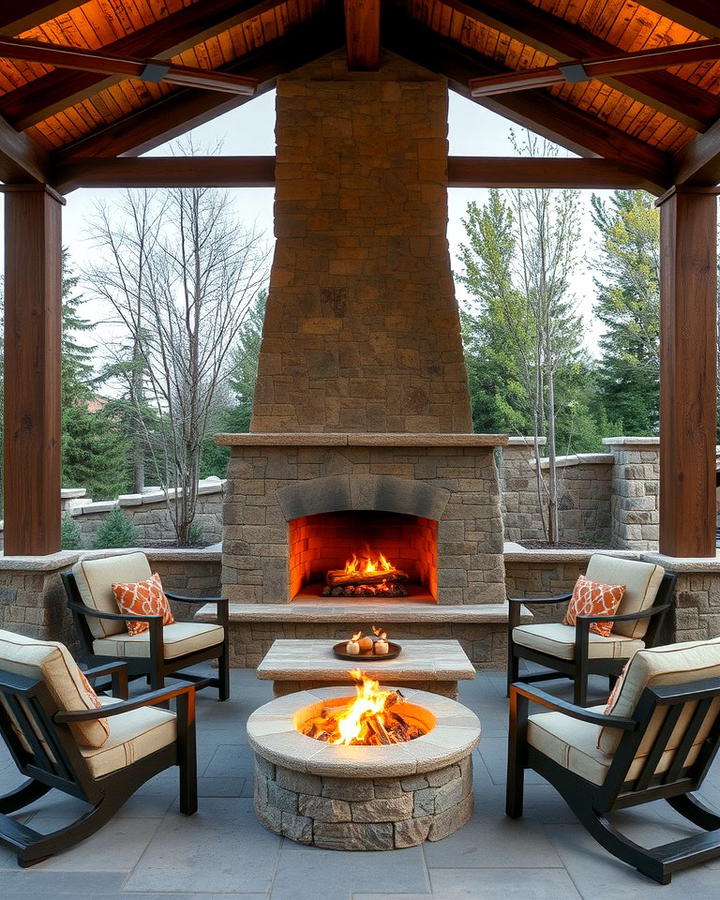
<point x="116" y="531"/>
<point x="628" y="305"/>
<point x="70" y="537"/>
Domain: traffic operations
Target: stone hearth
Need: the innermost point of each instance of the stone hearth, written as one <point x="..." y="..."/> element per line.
<point x="358" y="797"/>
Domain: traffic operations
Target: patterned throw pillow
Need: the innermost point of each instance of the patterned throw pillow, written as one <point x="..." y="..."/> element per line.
<point x="92" y="697"/>
<point x="143" y="598"/>
<point x="615" y="692"/>
<point x="591" y="598"/>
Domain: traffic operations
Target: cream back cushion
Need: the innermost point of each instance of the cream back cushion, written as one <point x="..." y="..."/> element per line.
<point x="641" y="580"/>
<point x="672" y="664"/>
<point x="95" y="578"/>
<point x="52" y="663"/>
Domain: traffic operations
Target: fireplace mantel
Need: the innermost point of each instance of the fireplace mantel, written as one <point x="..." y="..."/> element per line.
<point x="357" y="439"/>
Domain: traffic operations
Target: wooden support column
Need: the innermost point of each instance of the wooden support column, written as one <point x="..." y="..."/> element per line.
<point x="33" y="286"/>
<point x="688" y="297"/>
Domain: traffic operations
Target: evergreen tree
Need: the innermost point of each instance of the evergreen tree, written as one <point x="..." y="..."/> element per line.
<point x="70" y="537"/>
<point x="628" y="304"/>
<point x="116" y="531"/>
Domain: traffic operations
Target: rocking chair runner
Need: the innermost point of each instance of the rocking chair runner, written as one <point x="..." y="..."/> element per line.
<point x="156" y="653"/>
<point x="39" y="733"/>
<point x="658" y="743"/>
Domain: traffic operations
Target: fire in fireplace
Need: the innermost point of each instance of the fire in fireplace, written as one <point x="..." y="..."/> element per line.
<point x="363" y="554"/>
<point x="375" y="716"/>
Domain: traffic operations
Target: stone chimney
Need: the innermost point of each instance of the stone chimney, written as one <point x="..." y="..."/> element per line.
<point x="361" y="332"/>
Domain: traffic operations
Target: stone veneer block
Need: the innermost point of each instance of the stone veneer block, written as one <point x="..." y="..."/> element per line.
<point x="363" y="798"/>
<point x="361" y="328"/>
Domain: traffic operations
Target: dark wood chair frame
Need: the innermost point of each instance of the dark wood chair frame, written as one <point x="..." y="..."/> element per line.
<point x="65" y="769"/>
<point x="581" y="666"/>
<point x="592" y="803"/>
<point x="155" y="668"/>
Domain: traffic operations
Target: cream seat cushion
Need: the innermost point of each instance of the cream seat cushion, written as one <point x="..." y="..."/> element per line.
<point x="559" y="640"/>
<point x="574" y="745"/>
<point x="178" y="640"/>
<point x="641" y="580"/>
<point x="133" y="735"/>
<point x="95" y="578"/>
<point x="672" y="664"/>
<point x="51" y="662"/>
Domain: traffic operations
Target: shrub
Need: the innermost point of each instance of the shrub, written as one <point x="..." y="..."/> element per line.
<point x="116" y="531"/>
<point x="195" y="534"/>
<point x="70" y="537"/>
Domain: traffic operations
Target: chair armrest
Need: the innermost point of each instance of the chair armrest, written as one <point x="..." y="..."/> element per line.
<point x="535" y="695"/>
<point x="537" y="601"/>
<point x="154" y="698"/>
<point x="183" y="598"/>
<point x="627" y="617"/>
<point x="118" y="673"/>
<point x="124" y="617"/>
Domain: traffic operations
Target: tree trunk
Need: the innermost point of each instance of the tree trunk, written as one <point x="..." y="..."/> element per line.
<point x="552" y="462"/>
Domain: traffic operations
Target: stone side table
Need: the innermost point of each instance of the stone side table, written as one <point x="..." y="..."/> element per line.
<point x="300" y="665"/>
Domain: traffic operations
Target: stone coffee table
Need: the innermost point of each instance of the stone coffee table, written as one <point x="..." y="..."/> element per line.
<point x="298" y="665"/>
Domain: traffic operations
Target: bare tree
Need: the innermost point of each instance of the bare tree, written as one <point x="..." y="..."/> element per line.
<point x="179" y="272"/>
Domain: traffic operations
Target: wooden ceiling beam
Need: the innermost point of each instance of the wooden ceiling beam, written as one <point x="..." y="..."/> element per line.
<point x="153" y="70"/>
<point x="702" y="16"/>
<point x="362" y="34"/>
<point x="17" y="16"/>
<point x="48" y="94"/>
<point x="698" y="163"/>
<point x="259" y="171"/>
<point x="539" y="111"/>
<point x="565" y="42"/>
<point x="185" y="108"/>
<point x="21" y="159"/>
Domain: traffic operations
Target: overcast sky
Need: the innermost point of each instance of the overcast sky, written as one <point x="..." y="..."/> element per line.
<point x="249" y="130"/>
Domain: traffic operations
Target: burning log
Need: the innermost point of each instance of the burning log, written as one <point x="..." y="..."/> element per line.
<point x="340" y="578"/>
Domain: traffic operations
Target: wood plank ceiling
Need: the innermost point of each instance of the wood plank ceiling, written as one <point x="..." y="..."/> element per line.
<point x="646" y="118"/>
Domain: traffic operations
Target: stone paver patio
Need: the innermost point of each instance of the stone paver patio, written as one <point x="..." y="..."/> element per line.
<point x="149" y="851"/>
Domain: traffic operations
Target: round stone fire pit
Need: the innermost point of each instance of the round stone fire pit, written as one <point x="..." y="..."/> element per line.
<point x="363" y="797"/>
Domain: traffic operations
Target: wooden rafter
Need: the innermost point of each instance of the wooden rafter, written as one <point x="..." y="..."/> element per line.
<point x="185" y="109"/>
<point x="21" y="159"/>
<point x="702" y="16"/>
<point x="259" y="171"/>
<point x="586" y="69"/>
<point x="48" y="94"/>
<point x="560" y="122"/>
<point x="362" y="29"/>
<point x="126" y="67"/>
<point x="17" y="16"/>
<point x="564" y="41"/>
<point x="698" y="162"/>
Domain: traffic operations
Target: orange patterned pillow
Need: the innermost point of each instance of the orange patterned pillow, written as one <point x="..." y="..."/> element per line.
<point x="143" y="598"/>
<point x="591" y="598"/>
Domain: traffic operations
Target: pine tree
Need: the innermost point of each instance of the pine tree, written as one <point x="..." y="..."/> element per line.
<point x="628" y="304"/>
<point x="116" y="531"/>
<point x="70" y="536"/>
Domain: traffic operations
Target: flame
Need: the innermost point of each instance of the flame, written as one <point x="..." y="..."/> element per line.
<point x="368" y="565"/>
<point x="378" y="633"/>
<point x="356" y="637"/>
<point x="370" y="719"/>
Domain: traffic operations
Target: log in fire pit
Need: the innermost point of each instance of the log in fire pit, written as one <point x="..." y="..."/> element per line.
<point x="381" y="770"/>
<point x="366" y="575"/>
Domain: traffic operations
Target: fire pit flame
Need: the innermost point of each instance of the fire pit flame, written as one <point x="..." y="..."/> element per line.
<point x="372" y="718"/>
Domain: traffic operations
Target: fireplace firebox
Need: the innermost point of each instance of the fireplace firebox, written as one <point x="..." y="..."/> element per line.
<point x="363" y="554"/>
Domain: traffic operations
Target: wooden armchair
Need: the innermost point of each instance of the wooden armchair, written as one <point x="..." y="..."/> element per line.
<point x="52" y="734"/>
<point x="657" y="743"/>
<point x="160" y="651"/>
<point x="573" y="651"/>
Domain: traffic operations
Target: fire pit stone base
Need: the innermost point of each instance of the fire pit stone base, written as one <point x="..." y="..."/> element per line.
<point x="367" y="814"/>
<point x="362" y="797"/>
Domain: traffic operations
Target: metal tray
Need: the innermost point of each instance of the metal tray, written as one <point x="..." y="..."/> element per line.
<point x="393" y="651"/>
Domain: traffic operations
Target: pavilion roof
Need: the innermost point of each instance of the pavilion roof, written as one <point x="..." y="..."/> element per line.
<point x="661" y="123"/>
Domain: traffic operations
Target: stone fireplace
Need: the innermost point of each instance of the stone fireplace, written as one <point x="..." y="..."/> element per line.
<point x="361" y="439"/>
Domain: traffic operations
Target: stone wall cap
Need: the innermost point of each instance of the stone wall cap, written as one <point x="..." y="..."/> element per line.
<point x="525" y="440"/>
<point x="63" y="559"/>
<point x="352" y="439"/>
<point x="557" y="554"/>
<point x="577" y="459"/>
<point x="71" y="493"/>
<point x="683" y="563"/>
<point x="631" y="441"/>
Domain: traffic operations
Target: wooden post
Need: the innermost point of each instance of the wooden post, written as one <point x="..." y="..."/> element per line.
<point x="688" y="362"/>
<point x="33" y="287"/>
